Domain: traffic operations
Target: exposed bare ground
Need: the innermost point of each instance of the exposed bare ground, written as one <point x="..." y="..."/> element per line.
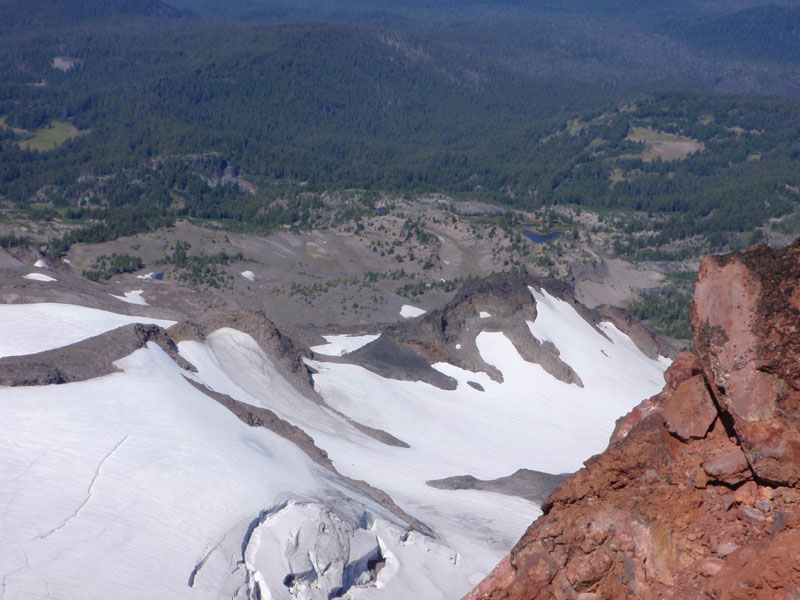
<point x="666" y="146"/>
<point x="346" y="278"/>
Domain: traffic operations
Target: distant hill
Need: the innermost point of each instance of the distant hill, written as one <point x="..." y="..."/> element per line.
<point x="518" y="107"/>
<point x="640" y="11"/>
<point x="769" y="33"/>
<point x="54" y="13"/>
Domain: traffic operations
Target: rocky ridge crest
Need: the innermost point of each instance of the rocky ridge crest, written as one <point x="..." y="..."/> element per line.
<point x="500" y="302"/>
<point x="698" y="494"/>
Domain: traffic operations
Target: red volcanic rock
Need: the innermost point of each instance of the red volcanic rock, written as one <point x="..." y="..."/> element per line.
<point x="685" y="365"/>
<point x="500" y="577"/>
<point x="682" y="368"/>
<point x="730" y="468"/>
<point x="698" y="495"/>
<point x="746" y="324"/>
<point x="690" y="411"/>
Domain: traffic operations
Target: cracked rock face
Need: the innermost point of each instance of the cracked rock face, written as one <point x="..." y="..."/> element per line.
<point x="697" y="496"/>
<point x="747" y="331"/>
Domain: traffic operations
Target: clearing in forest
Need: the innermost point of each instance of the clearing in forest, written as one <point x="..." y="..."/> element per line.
<point x="666" y="146"/>
<point x="50" y="137"/>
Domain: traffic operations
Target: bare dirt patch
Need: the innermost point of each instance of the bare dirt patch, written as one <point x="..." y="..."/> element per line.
<point x="666" y="146"/>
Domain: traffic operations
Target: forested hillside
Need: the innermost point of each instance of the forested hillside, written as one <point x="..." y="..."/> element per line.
<point x="105" y="106"/>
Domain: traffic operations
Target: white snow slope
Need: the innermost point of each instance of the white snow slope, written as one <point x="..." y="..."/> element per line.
<point x="31" y="328"/>
<point x="339" y="345"/>
<point x="136" y="485"/>
<point x="132" y="297"/>
<point x="39" y="277"/>
<point x="409" y="312"/>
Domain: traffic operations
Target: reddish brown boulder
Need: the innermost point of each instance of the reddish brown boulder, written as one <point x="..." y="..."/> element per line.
<point x="682" y="368"/>
<point x="690" y="411"/>
<point x="697" y="496"/>
<point x="730" y="467"/>
<point x="685" y="366"/>
<point x="766" y="570"/>
<point x="746" y="324"/>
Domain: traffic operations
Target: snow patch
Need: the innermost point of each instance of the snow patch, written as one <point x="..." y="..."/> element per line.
<point x="148" y="276"/>
<point x="39" y="277"/>
<point x="145" y="483"/>
<point x="338" y="345"/>
<point x="132" y="297"/>
<point x="409" y="312"/>
<point x="138" y="481"/>
<point x="484" y="315"/>
<point x="41" y="264"/>
<point x="31" y="328"/>
<point x="249" y="275"/>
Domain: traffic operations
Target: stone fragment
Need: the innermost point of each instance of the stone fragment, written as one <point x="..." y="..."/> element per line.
<point x="685" y="366"/>
<point x="752" y="515"/>
<point x="690" y="412"/>
<point x="765" y="506"/>
<point x="730" y="468"/>
<point x="711" y="566"/>
<point x="747" y="493"/>
<point x="725" y="548"/>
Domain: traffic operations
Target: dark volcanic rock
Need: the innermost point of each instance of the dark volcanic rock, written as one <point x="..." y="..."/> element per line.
<point x="449" y="334"/>
<point x="388" y="358"/>
<point x="285" y="353"/>
<point x="530" y="485"/>
<point x="685" y="503"/>
<point x="93" y="357"/>
<point x="650" y="345"/>
<point x="407" y="349"/>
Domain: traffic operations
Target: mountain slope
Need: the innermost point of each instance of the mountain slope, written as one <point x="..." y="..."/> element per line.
<point x="769" y="33"/>
<point x="697" y="496"/>
<point x="226" y="473"/>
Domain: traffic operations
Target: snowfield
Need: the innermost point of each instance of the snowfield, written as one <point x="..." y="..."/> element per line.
<point x="138" y="485"/>
<point x="409" y="312"/>
<point x="132" y="297"/>
<point x="338" y="345"/>
<point x="39" y="277"/>
<point x="31" y="328"/>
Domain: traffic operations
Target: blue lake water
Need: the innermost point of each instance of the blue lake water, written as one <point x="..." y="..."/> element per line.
<point x="541" y="239"/>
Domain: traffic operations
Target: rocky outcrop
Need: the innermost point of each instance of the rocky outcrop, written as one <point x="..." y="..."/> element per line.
<point x="697" y="495"/>
<point x="747" y="333"/>
<point x="650" y="345"/>
<point x="448" y="334"/>
<point x="87" y="359"/>
<point x="286" y="354"/>
<point x="500" y="302"/>
<point x="524" y="483"/>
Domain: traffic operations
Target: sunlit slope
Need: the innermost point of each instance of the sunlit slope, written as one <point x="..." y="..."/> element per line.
<point x="139" y="485"/>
